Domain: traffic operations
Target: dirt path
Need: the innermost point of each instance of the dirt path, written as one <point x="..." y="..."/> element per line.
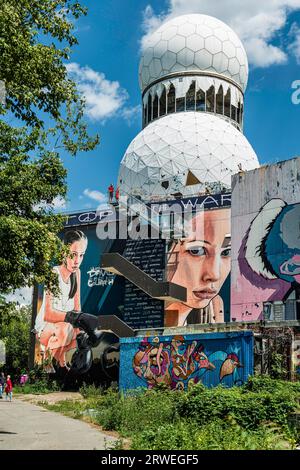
<point x="50" y="398"/>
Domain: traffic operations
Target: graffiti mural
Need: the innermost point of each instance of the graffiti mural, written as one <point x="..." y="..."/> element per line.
<point x="201" y="263"/>
<point x="266" y="245"/>
<point x="66" y="323"/>
<point x="180" y="361"/>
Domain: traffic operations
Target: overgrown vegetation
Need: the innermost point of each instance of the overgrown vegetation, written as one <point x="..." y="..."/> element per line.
<point x="39" y="382"/>
<point x="38" y="387"/>
<point x="254" y="416"/>
<point x="15" y="334"/>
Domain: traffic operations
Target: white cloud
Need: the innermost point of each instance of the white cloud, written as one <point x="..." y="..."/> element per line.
<point x="95" y="195"/>
<point x="98" y="196"/>
<point x="294" y="46"/>
<point x="257" y="23"/>
<point x="131" y="114"/>
<point x="104" y="98"/>
<point x="59" y="203"/>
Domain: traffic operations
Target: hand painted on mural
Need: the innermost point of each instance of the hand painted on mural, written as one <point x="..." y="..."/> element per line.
<point x="201" y="263"/>
<point x="55" y="337"/>
<point x="180" y="363"/>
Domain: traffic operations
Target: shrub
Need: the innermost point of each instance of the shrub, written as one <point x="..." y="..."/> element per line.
<point x="267" y="384"/>
<point x="38" y="387"/>
<point x="217" y="435"/>
<point x="90" y="391"/>
<point x="247" y="407"/>
<point x="133" y="413"/>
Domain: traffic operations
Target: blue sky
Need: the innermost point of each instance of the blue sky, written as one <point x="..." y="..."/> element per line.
<point x="109" y="51"/>
<point x="109" y="45"/>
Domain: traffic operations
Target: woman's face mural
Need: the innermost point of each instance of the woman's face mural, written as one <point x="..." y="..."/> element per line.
<point x="77" y="251"/>
<point x="203" y="258"/>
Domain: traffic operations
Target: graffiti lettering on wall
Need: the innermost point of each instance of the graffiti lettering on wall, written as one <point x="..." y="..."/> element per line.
<point x="202" y="202"/>
<point x="181" y="363"/>
<point x="269" y="258"/>
<point x="99" y="277"/>
<point x="201" y="263"/>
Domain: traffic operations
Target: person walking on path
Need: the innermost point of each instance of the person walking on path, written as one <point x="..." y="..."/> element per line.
<point x="8" y="388"/>
<point x="2" y="383"/>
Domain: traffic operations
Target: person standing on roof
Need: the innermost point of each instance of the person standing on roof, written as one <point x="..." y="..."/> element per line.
<point x="117" y="194"/>
<point x="111" y="192"/>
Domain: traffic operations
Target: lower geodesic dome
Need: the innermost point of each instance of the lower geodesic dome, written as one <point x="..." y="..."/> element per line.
<point x="184" y="153"/>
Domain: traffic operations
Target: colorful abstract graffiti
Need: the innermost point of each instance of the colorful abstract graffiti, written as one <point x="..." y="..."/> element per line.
<point x="201" y="263"/>
<point x="181" y="363"/>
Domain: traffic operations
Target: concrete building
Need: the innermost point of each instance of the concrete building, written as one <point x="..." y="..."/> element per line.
<point x="193" y="177"/>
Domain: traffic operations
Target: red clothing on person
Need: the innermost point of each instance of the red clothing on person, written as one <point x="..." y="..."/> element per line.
<point x="117" y="194"/>
<point x="111" y="189"/>
<point x="8" y="387"/>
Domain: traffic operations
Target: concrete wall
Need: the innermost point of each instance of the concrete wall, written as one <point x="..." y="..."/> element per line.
<point x="180" y="360"/>
<point x="265" y="274"/>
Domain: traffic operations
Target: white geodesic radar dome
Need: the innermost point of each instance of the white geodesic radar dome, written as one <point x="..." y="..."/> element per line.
<point x="193" y="43"/>
<point x="181" y="151"/>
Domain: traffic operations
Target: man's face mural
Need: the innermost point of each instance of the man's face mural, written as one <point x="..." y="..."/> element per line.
<point x="273" y="242"/>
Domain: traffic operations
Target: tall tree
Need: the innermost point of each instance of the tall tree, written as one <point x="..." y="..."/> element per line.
<point x="41" y="117"/>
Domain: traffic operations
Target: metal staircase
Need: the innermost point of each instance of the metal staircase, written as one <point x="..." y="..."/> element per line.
<point x="117" y="264"/>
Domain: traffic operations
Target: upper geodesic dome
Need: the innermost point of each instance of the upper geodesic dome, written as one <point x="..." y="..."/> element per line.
<point x="193" y="43"/>
<point x="184" y="153"/>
